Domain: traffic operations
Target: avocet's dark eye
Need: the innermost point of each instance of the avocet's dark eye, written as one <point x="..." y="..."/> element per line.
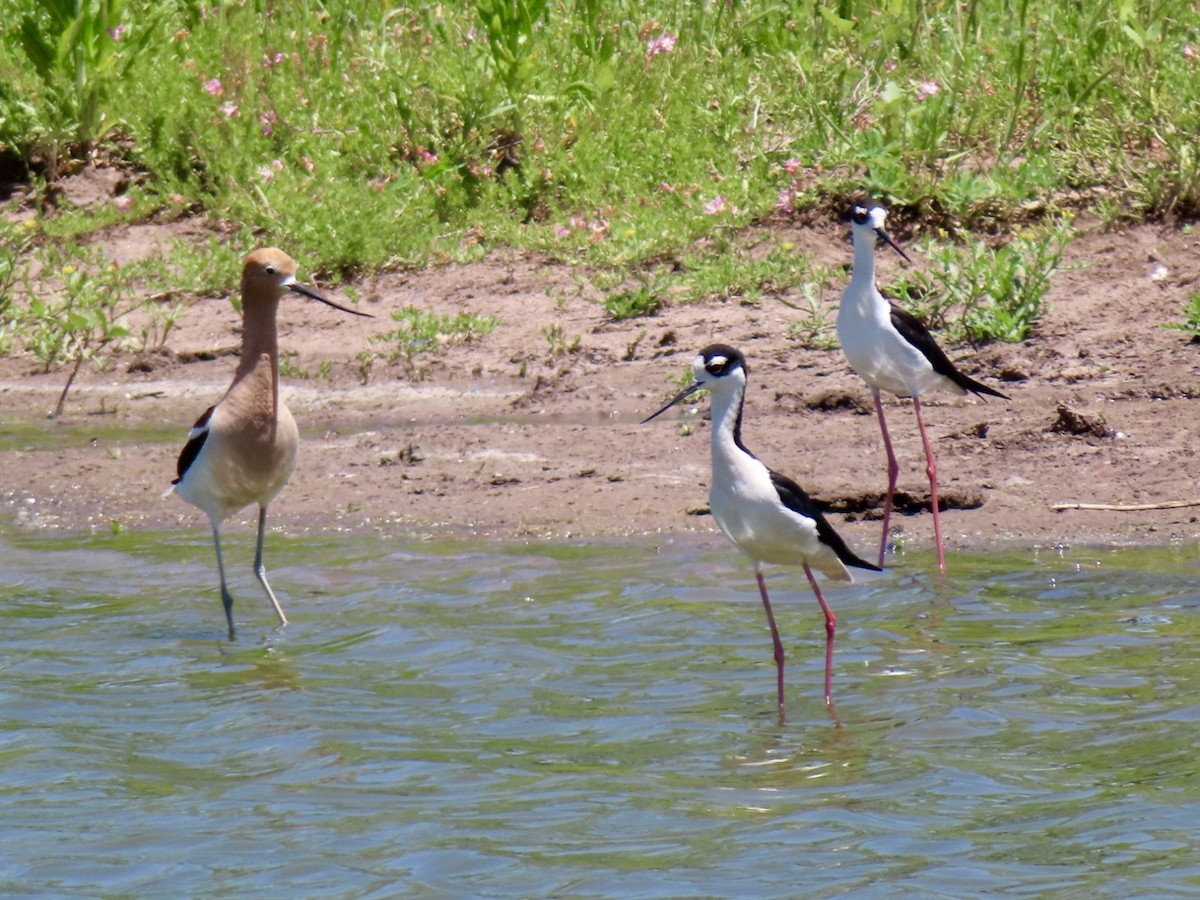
<point x="270" y="270"/>
<point x="860" y="216"/>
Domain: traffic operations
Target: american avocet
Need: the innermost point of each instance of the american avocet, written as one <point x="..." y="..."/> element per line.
<point x="243" y="449"/>
<point x="766" y="515"/>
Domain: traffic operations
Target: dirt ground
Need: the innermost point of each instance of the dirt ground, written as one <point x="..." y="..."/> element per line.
<point x="501" y="438"/>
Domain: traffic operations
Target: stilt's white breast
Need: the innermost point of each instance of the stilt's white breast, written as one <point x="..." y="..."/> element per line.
<point x="748" y="510"/>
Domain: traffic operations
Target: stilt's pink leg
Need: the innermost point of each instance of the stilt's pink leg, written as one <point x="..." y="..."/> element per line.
<point x="762" y="589"/>
<point x="893" y="472"/>
<point x="931" y="470"/>
<point x="830" y="627"/>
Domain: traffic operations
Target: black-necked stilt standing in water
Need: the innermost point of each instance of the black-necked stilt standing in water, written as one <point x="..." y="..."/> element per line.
<point x="893" y="351"/>
<point x="766" y="515"/>
<point x="243" y="449"/>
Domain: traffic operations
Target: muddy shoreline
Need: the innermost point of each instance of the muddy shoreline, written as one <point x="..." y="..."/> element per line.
<point x="510" y="437"/>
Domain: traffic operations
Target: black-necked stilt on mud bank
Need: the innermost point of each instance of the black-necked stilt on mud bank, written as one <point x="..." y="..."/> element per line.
<point x="893" y="351"/>
<point x="766" y="515"/>
<point x="243" y="449"/>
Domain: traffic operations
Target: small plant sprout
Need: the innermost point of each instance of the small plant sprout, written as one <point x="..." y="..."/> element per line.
<point x="633" y="303"/>
<point x="632" y="347"/>
<point x="365" y="360"/>
<point x="560" y="345"/>
<point x="419" y="332"/>
<point x="289" y="369"/>
<point x="1191" y="323"/>
<point x="815" y="329"/>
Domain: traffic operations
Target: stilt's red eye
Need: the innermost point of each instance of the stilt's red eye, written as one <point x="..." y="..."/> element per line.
<point x="719" y="360"/>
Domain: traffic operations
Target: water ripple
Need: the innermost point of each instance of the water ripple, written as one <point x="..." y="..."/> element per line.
<point x="592" y="720"/>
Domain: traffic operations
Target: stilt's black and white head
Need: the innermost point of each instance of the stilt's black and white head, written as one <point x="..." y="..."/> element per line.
<point x="866" y="223"/>
<point x="719" y="368"/>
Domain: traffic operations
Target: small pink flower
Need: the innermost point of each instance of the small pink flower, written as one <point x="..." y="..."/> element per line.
<point x="268" y="120"/>
<point x="787" y="198"/>
<point x="1190" y="53"/>
<point x="124" y="203"/>
<point x="715" y="205"/>
<point x="792" y="166"/>
<point x="213" y="86"/>
<point x="666" y="188"/>
<point x="664" y="43"/>
<point x="307" y="162"/>
<point x="117" y="33"/>
<point x="561" y="231"/>
<point x="428" y="158"/>
<point x="229" y="109"/>
<point x="267" y="173"/>
<point x="268" y="60"/>
<point x="928" y="89"/>
<point x="890" y="65"/>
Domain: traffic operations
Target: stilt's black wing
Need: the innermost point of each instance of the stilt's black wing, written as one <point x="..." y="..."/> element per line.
<point x="914" y="331"/>
<point x="196" y="438"/>
<point x="793" y="497"/>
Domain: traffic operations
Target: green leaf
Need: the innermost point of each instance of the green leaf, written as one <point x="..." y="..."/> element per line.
<point x="37" y="49"/>
<point x="1134" y="35"/>
<point x="891" y="92"/>
<point x="836" y="22"/>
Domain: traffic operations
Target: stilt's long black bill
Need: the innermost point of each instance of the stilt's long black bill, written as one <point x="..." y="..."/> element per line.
<point x="309" y="292"/>
<point x="887" y="239"/>
<point x="682" y="395"/>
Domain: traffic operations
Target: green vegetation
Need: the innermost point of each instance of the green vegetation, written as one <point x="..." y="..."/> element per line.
<point x="419" y="332"/>
<point x="1191" y="312"/>
<point x="817" y="327"/>
<point x="980" y="293"/>
<point x="78" y="310"/>
<point x="642" y="300"/>
<point x="636" y="138"/>
<point x="15" y="240"/>
<point x="74" y="49"/>
<point x="560" y="344"/>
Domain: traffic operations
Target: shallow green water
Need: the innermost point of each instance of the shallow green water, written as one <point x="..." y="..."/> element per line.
<point x="583" y="720"/>
<point x="100" y="430"/>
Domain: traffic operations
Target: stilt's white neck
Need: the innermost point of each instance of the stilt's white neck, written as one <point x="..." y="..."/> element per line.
<point x="864" y="260"/>
<point x="727" y="424"/>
